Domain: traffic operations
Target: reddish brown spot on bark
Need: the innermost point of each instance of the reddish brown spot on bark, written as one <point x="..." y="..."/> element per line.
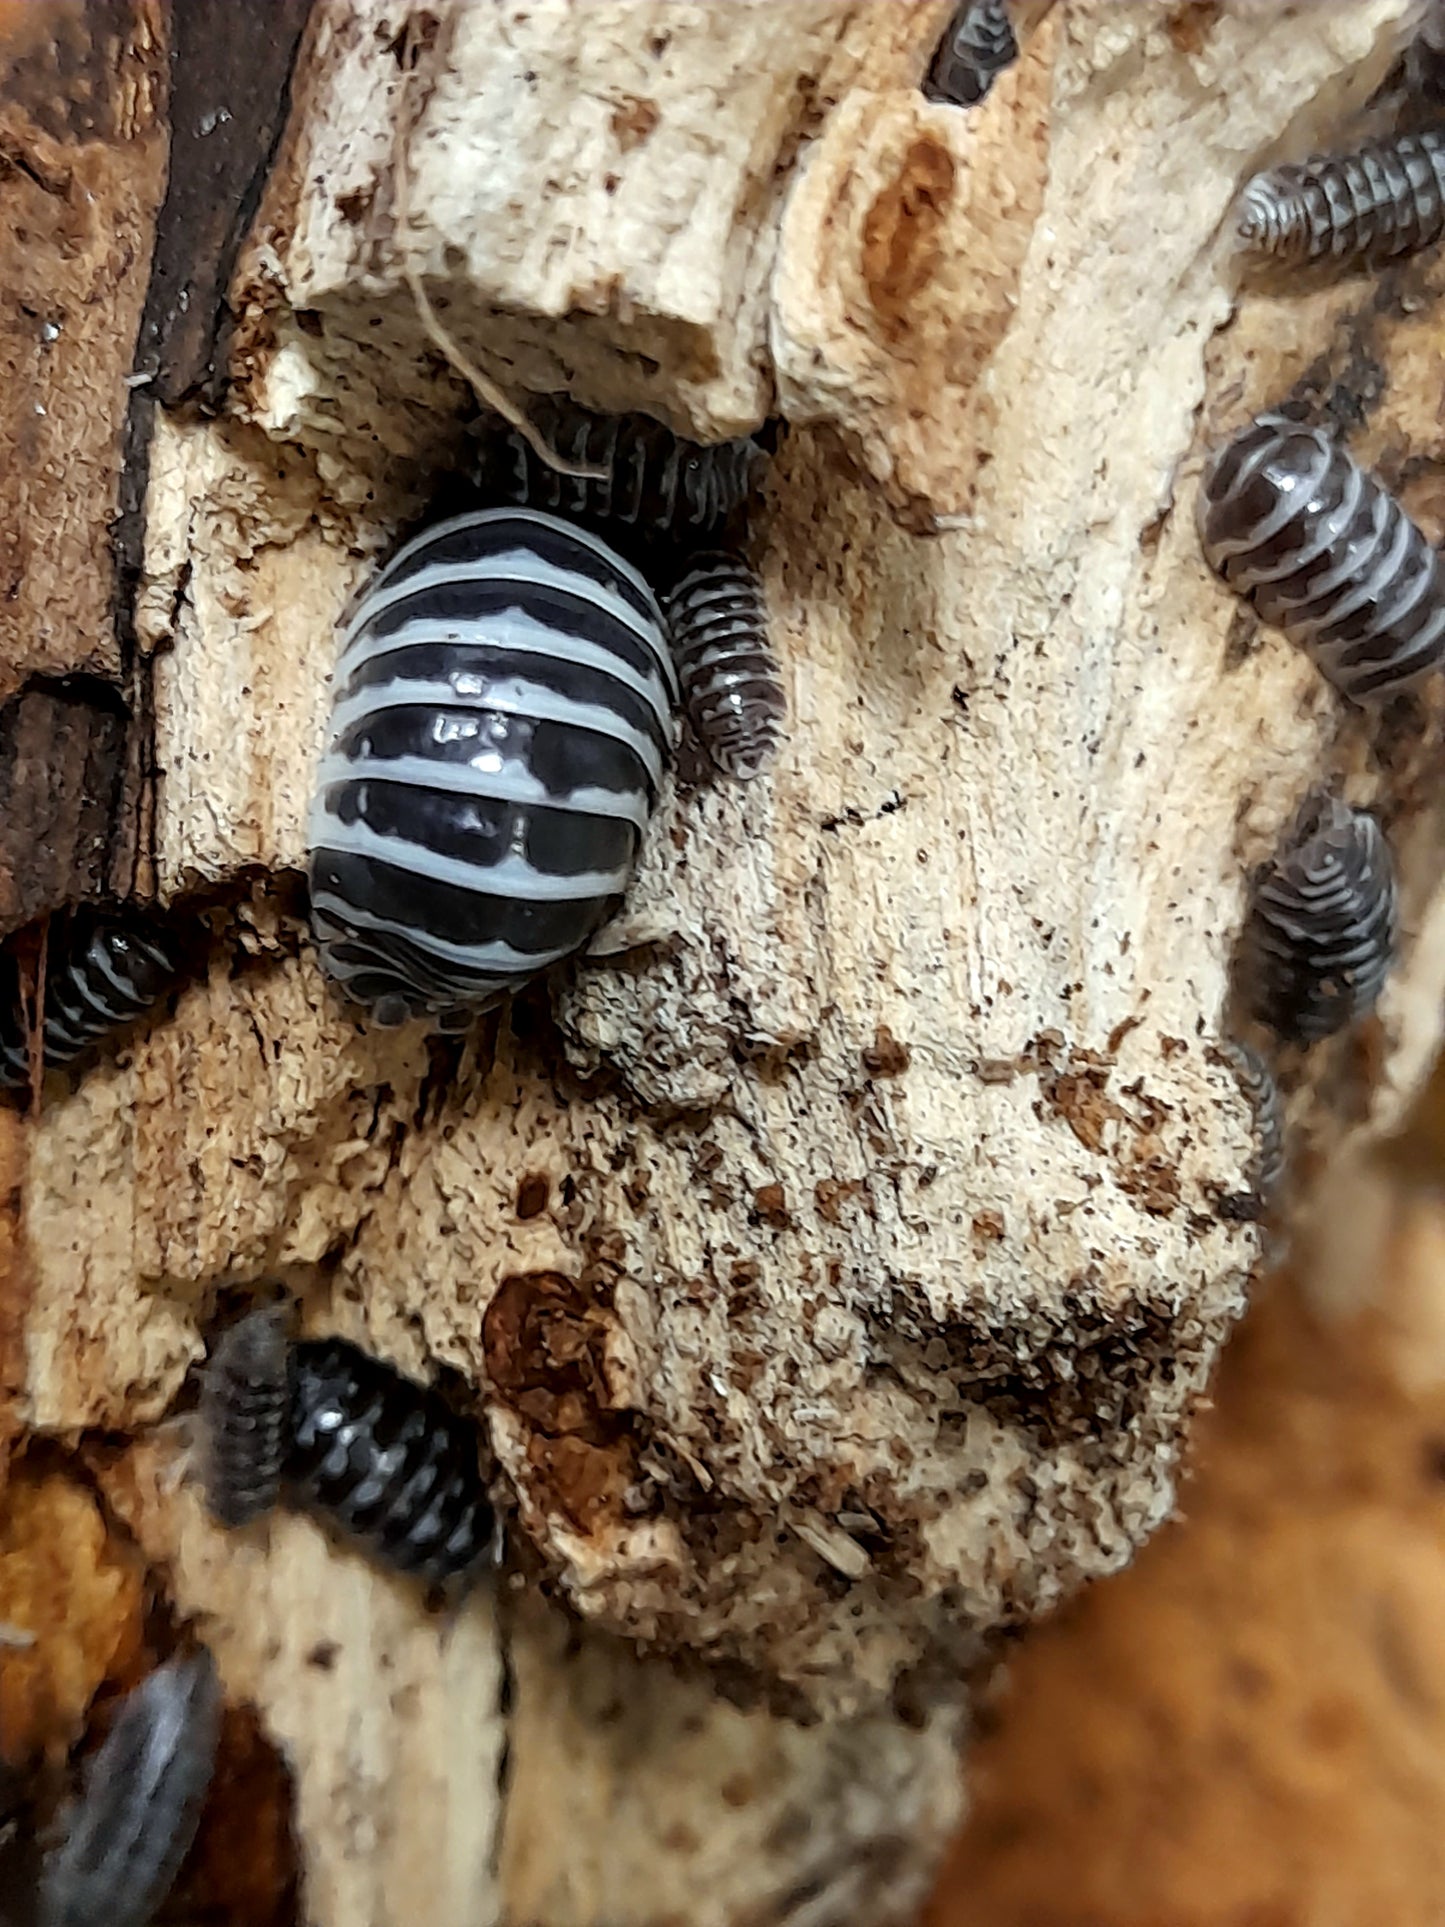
<point x="886" y="1056"/>
<point x="356" y="204"/>
<point x="532" y="1195"/>
<point x="831" y="1194"/>
<point x="588" y="1482"/>
<point x="633" y="119"/>
<point x="1079" y="1098"/>
<point x="1191" y="24"/>
<point x="770" y="1205"/>
<point x="988" y="1226"/>
<point x="544" y="1341"/>
<point x="1121" y="1031"/>
<point x="901" y="232"/>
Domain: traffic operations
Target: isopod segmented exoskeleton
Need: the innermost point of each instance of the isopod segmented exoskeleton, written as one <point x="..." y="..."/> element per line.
<point x="103" y="970"/>
<point x="389" y="1462"/>
<point x="1386" y="199"/>
<point x="1257" y="1081"/>
<point x="648" y="479"/>
<point x="1320" y="935"/>
<point x="246" y="1417"/>
<point x="504" y="712"/>
<point x="731" y="687"/>
<point x="1323" y="551"/>
<point x="142" y="1800"/>
<point x="976" y="47"/>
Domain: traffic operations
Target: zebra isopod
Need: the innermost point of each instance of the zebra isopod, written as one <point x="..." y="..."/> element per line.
<point x="504" y="712"/>
<point x="731" y="687"/>
<point x="648" y="479"/>
<point x="1320" y="936"/>
<point x="246" y="1417"/>
<point x="976" y="47"/>
<point x="387" y="1461"/>
<point x="1386" y="199"/>
<point x="103" y="970"/>
<point x="141" y="1802"/>
<point x="1323" y="551"/>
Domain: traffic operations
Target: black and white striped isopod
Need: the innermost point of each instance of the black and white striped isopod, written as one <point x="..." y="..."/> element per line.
<point x="103" y="970"/>
<point x="1257" y="1081"/>
<point x="504" y="712"/>
<point x="388" y="1461"/>
<point x="1385" y="200"/>
<point x="976" y="47"/>
<point x="141" y="1803"/>
<point x="1291" y="521"/>
<point x="1320" y="936"/>
<point x="246" y="1417"/>
<point x="731" y="687"/>
<point x="649" y="479"/>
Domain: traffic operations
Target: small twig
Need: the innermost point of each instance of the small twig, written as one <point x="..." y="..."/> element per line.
<point x="483" y="387"/>
<point x="17" y="1637"/>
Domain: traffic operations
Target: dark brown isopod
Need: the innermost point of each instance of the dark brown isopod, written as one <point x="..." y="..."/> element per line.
<point x="977" y="45"/>
<point x="718" y="625"/>
<point x="246" y="1417"/>
<point x="389" y="1462"/>
<point x="1385" y="200"/>
<point x="1257" y="1081"/>
<point x="141" y="1803"/>
<point x="1320" y="937"/>
<point x="649" y="479"/>
<point x="103" y="970"/>
<point x="1323" y="551"/>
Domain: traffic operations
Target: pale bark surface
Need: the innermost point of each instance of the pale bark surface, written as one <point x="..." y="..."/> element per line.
<point x="838" y="1258"/>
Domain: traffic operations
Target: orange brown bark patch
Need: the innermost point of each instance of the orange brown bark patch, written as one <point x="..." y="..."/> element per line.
<point x="544" y="1343"/>
<point x="67" y="1582"/>
<point x="902" y="233"/>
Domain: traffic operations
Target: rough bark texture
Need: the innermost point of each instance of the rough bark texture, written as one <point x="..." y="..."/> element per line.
<point x="836" y="1255"/>
<point x="1247" y="1726"/>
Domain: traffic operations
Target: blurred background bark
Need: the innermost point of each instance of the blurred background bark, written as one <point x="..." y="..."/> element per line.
<point x="1249" y="1725"/>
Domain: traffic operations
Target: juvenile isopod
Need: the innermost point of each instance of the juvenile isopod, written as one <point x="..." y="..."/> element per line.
<point x="387" y="1461"/>
<point x="141" y="1803"/>
<point x="731" y="687"/>
<point x="1320" y="936"/>
<point x="246" y="1417"/>
<point x="649" y="480"/>
<point x="1384" y="200"/>
<point x="103" y="970"/>
<point x="1323" y="551"/>
<point x="504" y="712"/>
<point x="976" y="47"/>
<point x="1257" y="1081"/>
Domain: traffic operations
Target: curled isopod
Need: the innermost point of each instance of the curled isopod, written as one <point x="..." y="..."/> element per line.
<point x="246" y="1417"/>
<point x="731" y="687"/>
<point x="1257" y="1081"/>
<point x="1323" y="551"/>
<point x="389" y="1462"/>
<point x="104" y="968"/>
<point x="141" y="1804"/>
<point x="647" y="478"/>
<point x="503" y="716"/>
<point x="1320" y="936"/>
<point x="1386" y="199"/>
<point x="977" y="45"/>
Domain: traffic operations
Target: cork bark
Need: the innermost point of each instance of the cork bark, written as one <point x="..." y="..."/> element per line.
<point x="837" y="1253"/>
